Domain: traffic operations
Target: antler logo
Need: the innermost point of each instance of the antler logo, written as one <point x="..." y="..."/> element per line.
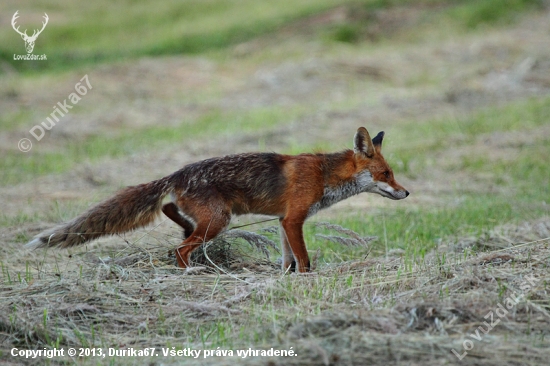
<point x="29" y="41"/>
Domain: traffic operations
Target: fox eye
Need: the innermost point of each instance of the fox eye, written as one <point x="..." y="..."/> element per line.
<point x="387" y="174"/>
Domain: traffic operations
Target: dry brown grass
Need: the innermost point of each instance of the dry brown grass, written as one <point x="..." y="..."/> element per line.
<point x="378" y="310"/>
<point x="375" y="311"/>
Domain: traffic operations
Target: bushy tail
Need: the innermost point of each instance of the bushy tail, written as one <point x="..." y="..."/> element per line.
<point x="131" y="208"/>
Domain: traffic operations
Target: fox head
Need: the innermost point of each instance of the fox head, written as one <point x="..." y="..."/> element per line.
<point x="368" y="158"/>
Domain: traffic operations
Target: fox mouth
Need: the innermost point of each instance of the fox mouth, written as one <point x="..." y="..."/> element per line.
<point x="389" y="195"/>
<point x="394" y="195"/>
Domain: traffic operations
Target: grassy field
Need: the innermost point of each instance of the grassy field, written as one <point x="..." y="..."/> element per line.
<point x="83" y="33"/>
<point x="461" y="89"/>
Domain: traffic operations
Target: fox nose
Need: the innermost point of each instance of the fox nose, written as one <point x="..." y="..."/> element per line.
<point x="406" y="193"/>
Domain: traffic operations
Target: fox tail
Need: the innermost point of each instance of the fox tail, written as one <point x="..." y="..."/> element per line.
<point x="131" y="208"/>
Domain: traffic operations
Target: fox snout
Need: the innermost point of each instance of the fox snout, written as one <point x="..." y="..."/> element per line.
<point x="392" y="193"/>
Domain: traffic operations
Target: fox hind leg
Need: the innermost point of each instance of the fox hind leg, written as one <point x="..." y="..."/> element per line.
<point x="172" y="212"/>
<point x="205" y="231"/>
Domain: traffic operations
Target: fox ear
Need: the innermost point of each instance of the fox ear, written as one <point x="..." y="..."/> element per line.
<point x="377" y="141"/>
<point x="363" y="143"/>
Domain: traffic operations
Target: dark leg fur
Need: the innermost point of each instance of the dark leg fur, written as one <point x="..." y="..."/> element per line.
<point x="292" y="266"/>
<point x="172" y="212"/>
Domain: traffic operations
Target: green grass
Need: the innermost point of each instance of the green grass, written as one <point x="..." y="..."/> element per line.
<point x="521" y="184"/>
<point x="18" y="167"/>
<point x="176" y="29"/>
<point x="418" y="231"/>
<point x="10" y="121"/>
<point x="144" y="300"/>
<point x="414" y="230"/>
<point x="429" y="137"/>
<point x="463" y="14"/>
<point x="473" y="13"/>
<point x="83" y="33"/>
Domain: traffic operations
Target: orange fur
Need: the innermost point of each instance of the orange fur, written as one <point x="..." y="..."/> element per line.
<point x="205" y="195"/>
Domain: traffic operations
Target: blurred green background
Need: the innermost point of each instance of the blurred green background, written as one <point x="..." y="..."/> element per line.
<point x="82" y="32"/>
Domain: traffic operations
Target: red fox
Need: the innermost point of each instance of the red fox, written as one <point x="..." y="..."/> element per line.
<point x="205" y="194"/>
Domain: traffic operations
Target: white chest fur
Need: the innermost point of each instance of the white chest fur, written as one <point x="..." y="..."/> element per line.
<point x="362" y="182"/>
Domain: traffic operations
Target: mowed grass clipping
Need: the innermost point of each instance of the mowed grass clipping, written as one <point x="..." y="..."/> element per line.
<point x="395" y="299"/>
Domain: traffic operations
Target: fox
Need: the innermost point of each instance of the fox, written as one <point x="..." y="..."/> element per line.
<point x="206" y="194"/>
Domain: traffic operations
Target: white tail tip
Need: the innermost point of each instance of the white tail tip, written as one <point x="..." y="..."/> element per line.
<point x="33" y="244"/>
